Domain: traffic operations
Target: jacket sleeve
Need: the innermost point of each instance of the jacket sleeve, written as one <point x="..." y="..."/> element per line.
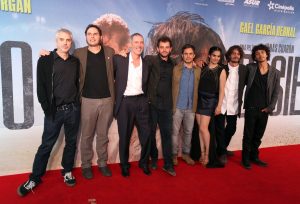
<point x="41" y="85"/>
<point x="275" y="92"/>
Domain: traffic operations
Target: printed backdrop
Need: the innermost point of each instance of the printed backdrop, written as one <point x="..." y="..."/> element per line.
<point x="27" y="26"/>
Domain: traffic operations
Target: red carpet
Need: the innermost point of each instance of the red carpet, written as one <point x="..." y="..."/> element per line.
<point x="278" y="183"/>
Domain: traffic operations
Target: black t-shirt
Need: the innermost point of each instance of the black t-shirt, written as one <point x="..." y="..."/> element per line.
<point x="65" y="79"/>
<point x="257" y="96"/>
<point x="96" y="82"/>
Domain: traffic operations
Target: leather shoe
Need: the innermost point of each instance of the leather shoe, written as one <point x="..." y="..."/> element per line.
<point x="125" y="171"/>
<point x="246" y="165"/>
<point x="145" y="169"/>
<point x="154" y="164"/>
<point x="259" y="162"/>
<point x="169" y="170"/>
<point x="87" y="173"/>
<point x="105" y="171"/>
<point x="230" y="153"/>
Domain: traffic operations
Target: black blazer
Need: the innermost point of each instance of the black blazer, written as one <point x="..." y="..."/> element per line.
<point x="243" y="74"/>
<point x="121" y="75"/>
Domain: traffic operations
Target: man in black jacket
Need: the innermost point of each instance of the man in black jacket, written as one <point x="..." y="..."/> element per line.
<point x="160" y="97"/>
<point x="58" y="94"/>
<point x="263" y="86"/>
<point x="232" y="102"/>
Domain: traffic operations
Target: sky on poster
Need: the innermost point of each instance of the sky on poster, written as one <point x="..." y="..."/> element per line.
<point x="38" y="28"/>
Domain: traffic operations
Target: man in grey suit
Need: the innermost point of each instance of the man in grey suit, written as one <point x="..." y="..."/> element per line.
<point x="97" y="91"/>
<point x="261" y="96"/>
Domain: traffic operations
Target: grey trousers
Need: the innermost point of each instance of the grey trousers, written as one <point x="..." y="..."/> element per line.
<point x="186" y="118"/>
<point x="96" y="118"/>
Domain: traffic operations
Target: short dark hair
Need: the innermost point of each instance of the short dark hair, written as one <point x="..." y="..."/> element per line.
<point x="260" y="47"/>
<point x="93" y="26"/>
<point x="231" y="49"/>
<point x="186" y="46"/>
<point x="164" y="38"/>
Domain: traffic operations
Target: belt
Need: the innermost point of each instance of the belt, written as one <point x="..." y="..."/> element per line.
<point x="134" y="96"/>
<point x="65" y="107"/>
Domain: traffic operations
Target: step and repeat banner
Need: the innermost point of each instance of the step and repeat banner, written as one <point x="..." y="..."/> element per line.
<point x="27" y="26"/>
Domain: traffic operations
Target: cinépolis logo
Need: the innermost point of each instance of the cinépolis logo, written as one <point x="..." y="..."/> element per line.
<point x="16" y="6"/>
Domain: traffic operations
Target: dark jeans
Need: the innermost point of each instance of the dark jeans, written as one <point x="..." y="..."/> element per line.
<point x="164" y="120"/>
<point x="134" y="110"/>
<point x="224" y="133"/>
<point x="70" y="119"/>
<point x="254" y="128"/>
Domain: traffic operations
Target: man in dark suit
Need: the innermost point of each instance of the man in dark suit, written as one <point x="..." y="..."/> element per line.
<point x="232" y="102"/>
<point x="131" y="105"/>
<point x="263" y="86"/>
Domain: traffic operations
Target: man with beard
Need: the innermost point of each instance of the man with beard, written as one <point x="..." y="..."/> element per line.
<point x="160" y="98"/>
<point x="232" y="101"/>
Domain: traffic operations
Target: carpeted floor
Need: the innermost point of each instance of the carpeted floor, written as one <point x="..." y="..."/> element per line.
<point x="278" y="183"/>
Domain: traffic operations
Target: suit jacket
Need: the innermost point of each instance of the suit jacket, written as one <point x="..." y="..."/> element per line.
<point x="273" y="84"/>
<point x="243" y="73"/>
<point x="121" y="65"/>
<point x="81" y="54"/>
<point x="177" y="73"/>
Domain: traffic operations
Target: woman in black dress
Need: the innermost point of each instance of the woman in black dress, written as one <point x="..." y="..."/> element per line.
<point x="210" y="97"/>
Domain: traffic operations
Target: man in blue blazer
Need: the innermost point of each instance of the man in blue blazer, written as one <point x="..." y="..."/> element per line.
<point x="131" y="105"/>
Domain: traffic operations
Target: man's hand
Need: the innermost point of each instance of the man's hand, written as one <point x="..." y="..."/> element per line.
<point x="265" y="110"/>
<point x="44" y="52"/>
<point x="123" y="53"/>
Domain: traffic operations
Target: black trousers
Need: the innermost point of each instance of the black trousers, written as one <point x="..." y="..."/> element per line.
<point x="254" y="128"/>
<point x="162" y="118"/>
<point x="224" y="132"/>
<point x="134" y="110"/>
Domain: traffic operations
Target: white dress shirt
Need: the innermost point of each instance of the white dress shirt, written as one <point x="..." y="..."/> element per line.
<point x="230" y="101"/>
<point x="134" y="81"/>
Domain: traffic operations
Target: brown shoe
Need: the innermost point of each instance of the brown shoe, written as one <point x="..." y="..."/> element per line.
<point x="175" y="161"/>
<point x="188" y="159"/>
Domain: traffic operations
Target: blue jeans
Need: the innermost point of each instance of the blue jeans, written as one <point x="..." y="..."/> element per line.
<point x="70" y="119"/>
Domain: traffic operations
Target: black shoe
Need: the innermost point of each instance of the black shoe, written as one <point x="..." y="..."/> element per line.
<point x="105" y="171"/>
<point x="125" y="171"/>
<point x="87" y="173"/>
<point x="246" y="165"/>
<point x="145" y="169"/>
<point x="223" y="159"/>
<point x="69" y="179"/>
<point x="215" y="164"/>
<point x="230" y="153"/>
<point x="169" y="170"/>
<point x="154" y="164"/>
<point x="259" y="162"/>
<point x="26" y="187"/>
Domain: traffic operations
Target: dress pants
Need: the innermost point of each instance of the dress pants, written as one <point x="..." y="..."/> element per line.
<point x="96" y="118"/>
<point x="134" y="110"/>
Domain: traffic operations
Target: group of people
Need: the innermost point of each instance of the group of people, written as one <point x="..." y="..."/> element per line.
<point x="94" y="85"/>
